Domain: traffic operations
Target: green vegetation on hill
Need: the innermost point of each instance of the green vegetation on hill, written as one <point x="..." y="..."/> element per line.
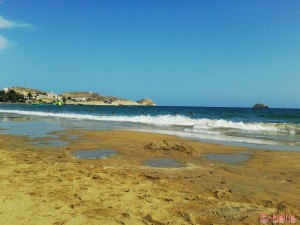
<point x="11" y="96"/>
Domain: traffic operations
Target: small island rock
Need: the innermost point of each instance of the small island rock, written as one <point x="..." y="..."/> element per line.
<point x="260" y="106"/>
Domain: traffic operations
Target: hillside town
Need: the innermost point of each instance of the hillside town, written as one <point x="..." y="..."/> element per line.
<point x="34" y="96"/>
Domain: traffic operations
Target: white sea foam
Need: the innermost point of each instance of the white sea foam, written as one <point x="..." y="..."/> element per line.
<point x="208" y="126"/>
<point x="212" y="136"/>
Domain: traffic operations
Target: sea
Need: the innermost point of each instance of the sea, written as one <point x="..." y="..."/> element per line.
<point x="272" y="129"/>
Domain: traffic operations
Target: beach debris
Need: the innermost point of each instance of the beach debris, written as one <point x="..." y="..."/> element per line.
<point x="282" y="206"/>
<point x="60" y="222"/>
<point x="168" y="199"/>
<point x="165" y="146"/>
<point x="151" y="177"/>
<point x="149" y="219"/>
<point x="96" y="177"/>
<point x="186" y="217"/>
<point x="243" y="218"/>
<point x="269" y="204"/>
<point x="286" y="181"/>
<point x="78" y="197"/>
<point x="221" y="193"/>
<point x="125" y="214"/>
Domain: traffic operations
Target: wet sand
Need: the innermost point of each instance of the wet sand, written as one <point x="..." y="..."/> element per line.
<point x="48" y="185"/>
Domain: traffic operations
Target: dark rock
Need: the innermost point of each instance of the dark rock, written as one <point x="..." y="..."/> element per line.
<point x="260" y="106"/>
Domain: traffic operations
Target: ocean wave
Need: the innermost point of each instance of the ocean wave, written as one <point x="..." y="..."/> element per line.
<point x="203" y="125"/>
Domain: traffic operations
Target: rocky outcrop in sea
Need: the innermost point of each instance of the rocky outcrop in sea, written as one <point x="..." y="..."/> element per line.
<point x="260" y="106"/>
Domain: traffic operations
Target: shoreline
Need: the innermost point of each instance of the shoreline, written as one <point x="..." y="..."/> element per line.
<point x="265" y="134"/>
<point x="225" y="107"/>
<point x="48" y="185"/>
<point x="78" y="103"/>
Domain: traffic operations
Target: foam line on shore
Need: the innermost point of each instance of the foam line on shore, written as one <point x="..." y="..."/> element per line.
<point x="189" y="124"/>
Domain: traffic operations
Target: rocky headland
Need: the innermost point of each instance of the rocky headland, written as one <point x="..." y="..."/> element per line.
<point x="31" y="96"/>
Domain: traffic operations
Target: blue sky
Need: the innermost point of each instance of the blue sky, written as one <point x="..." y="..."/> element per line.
<point x="196" y="52"/>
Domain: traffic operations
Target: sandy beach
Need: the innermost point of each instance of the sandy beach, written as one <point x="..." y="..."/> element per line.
<point x="48" y="185"/>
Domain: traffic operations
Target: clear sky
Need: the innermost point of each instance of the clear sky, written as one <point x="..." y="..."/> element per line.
<point x="177" y="52"/>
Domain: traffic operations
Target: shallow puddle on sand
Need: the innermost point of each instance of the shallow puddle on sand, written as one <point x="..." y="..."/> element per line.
<point x="229" y="158"/>
<point x="47" y="143"/>
<point x="94" y="154"/>
<point x="30" y="128"/>
<point x="163" y="162"/>
<point x="68" y="135"/>
<point x="73" y="137"/>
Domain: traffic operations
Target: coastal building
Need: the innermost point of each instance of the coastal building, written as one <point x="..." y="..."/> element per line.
<point x="6" y="90"/>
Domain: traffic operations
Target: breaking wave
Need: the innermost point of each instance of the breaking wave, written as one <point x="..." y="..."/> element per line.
<point x="188" y="124"/>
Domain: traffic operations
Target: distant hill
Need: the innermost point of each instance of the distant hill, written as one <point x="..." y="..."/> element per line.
<point x="77" y="94"/>
<point x="74" y="98"/>
<point x="23" y="90"/>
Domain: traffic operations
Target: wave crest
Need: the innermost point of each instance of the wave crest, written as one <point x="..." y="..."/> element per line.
<point x="189" y="124"/>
